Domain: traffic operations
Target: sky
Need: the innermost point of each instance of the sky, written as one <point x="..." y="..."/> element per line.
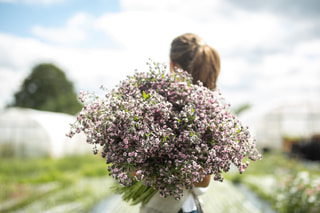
<point x="269" y="50"/>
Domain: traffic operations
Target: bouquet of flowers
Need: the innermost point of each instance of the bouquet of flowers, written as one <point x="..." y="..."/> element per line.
<point x="166" y="131"/>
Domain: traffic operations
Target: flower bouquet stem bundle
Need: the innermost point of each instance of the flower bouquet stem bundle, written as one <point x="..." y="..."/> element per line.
<point x="169" y="132"/>
<point x="136" y="193"/>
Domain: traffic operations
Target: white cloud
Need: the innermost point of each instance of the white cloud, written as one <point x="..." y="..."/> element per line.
<point x="143" y="5"/>
<point x="144" y="30"/>
<point x="201" y="7"/>
<point x="9" y="82"/>
<point x="88" y="68"/>
<point x="309" y="48"/>
<point x="75" y="31"/>
<point x="287" y="77"/>
<point x="18" y="53"/>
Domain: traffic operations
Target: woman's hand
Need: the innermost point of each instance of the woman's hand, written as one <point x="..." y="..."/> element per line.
<point x="133" y="173"/>
<point x="205" y="182"/>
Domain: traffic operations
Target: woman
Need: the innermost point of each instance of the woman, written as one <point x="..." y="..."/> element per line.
<point x="190" y="53"/>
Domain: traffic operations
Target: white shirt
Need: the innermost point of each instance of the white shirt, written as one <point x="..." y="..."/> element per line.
<point x="189" y="205"/>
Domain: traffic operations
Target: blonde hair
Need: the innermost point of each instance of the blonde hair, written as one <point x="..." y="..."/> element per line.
<point x="193" y="55"/>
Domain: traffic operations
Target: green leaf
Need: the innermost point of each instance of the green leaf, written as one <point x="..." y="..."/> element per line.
<point x="144" y="94"/>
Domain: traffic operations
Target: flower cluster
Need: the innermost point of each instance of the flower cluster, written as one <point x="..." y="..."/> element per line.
<point x="167" y="131"/>
<point x="299" y="193"/>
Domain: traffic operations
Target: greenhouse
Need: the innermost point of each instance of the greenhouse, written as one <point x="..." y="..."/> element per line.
<point x="33" y="133"/>
<point x="294" y="121"/>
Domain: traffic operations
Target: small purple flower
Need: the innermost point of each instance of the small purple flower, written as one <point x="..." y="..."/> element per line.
<point x="172" y="133"/>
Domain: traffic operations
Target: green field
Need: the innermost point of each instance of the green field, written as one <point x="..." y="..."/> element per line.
<point x="75" y="184"/>
<point x="40" y="184"/>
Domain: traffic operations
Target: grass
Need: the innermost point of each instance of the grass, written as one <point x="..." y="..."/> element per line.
<point x="42" y="170"/>
<point x="53" y="181"/>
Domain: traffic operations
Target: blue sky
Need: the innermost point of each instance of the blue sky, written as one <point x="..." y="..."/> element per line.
<point x="270" y="50"/>
<point x="18" y="18"/>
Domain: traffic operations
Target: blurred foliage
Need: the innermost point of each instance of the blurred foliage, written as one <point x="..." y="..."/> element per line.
<point x="242" y="108"/>
<point x="298" y="193"/>
<point x="27" y="180"/>
<point x="278" y="164"/>
<point x="47" y="88"/>
<point x="266" y="179"/>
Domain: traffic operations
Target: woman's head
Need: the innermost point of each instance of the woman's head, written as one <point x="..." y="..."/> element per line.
<point x="189" y="52"/>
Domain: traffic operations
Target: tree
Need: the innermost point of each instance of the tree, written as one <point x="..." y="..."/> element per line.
<point x="47" y="88"/>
